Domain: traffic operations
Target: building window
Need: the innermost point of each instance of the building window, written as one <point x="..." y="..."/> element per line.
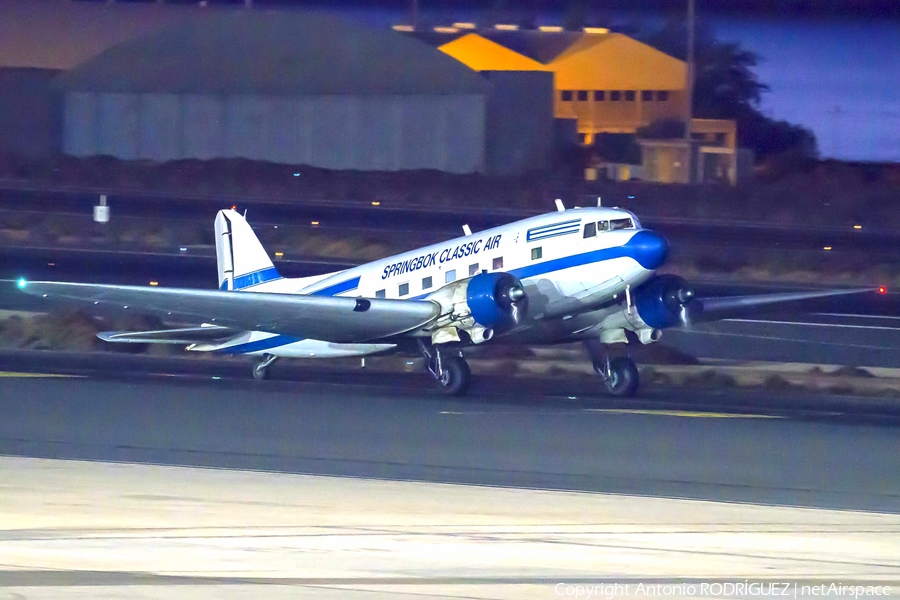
<point x="473" y="269"/>
<point x="590" y="230"/>
<point x="450" y="276"/>
<point x="615" y="96"/>
<point x="403" y="289"/>
<point x="662" y="96"/>
<point x="536" y="253"/>
<point x="647" y="96"/>
<point x="426" y="283"/>
<point x="629" y="96"/>
<point x="566" y="95"/>
<point x="599" y="96"/>
<point x="379" y="294"/>
<point x="582" y="95"/>
<point x="498" y="263"/>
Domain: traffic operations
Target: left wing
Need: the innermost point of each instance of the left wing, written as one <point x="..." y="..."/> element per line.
<point x="330" y="319"/>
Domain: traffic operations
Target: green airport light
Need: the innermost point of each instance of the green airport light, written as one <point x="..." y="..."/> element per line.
<point x="21" y="283"/>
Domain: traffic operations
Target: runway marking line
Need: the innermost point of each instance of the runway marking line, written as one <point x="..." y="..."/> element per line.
<point x="36" y="375"/>
<point x="681" y="413"/>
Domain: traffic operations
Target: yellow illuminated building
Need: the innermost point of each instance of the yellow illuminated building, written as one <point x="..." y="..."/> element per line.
<point x="607" y="82"/>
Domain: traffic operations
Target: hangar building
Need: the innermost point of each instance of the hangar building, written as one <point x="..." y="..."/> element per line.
<point x="287" y="87"/>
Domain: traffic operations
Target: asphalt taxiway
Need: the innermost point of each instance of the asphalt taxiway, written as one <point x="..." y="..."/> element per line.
<point x="173" y="483"/>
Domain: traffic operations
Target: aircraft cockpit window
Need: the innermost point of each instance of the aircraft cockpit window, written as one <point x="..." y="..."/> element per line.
<point x="602" y="225"/>
<point x="590" y="230"/>
<point x="621" y="224"/>
<point x="403" y="289"/>
<point x="450" y="276"/>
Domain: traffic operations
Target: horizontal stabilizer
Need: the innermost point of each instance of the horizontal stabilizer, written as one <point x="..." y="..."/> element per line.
<point x="185" y="335"/>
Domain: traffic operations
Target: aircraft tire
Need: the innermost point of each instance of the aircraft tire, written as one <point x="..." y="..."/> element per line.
<point x="624" y="378"/>
<point x="260" y="373"/>
<point x="456" y="377"/>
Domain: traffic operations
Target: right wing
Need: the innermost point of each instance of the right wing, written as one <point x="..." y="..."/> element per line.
<point x="330" y="319"/>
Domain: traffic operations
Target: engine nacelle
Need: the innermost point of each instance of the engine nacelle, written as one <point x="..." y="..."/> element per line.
<point x="664" y="301"/>
<point x="480" y="305"/>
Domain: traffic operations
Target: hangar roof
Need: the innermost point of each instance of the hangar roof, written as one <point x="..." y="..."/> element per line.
<point x="276" y="53"/>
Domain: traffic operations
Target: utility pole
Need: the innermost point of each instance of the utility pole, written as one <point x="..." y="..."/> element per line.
<point x="415" y="14"/>
<point x="689" y="91"/>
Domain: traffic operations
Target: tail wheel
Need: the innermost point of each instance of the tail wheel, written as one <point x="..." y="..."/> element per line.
<point x="260" y="372"/>
<point x="455" y="376"/>
<point x="623" y="377"/>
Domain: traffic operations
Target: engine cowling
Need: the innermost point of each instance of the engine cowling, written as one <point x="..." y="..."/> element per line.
<point x="496" y="300"/>
<point x="478" y="307"/>
<point x="665" y="301"/>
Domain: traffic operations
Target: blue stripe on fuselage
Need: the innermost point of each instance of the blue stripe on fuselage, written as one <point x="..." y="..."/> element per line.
<point x="255" y="278"/>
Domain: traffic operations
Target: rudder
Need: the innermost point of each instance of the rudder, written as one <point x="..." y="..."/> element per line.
<point x="241" y="260"/>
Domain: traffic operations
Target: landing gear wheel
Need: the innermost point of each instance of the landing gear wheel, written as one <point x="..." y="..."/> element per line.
<point x="260" y="373"/>
<point x="623" y="377"/>
<point x="455" y="376"/>
<point x="261" y="370"/>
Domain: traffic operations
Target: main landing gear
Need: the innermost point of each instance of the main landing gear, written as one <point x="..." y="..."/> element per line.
<point x="449" y="369"/>
<point x="619" y="374"/>
<point x="261" y="370"/>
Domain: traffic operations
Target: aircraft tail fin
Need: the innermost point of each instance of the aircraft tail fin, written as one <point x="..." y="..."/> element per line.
<point x="242" y="261"/>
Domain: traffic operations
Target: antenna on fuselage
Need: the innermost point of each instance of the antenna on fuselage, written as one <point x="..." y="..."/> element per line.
<point x="599" y="201"/>
<point x="560" y="206"/>
<point x="467" y="230"/>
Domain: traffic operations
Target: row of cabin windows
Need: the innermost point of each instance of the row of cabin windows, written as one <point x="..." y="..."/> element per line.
<point x="591" y="229"/>
<point x="614" y="95"/>
<point x="449" y="276"/>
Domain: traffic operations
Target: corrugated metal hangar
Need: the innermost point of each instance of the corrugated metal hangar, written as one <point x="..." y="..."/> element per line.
<point x="288" y="87"/>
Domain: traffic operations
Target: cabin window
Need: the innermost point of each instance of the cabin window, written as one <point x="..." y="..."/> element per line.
<point x="498" y="263"/>
<point x="403" y="289"/>
<point x="590" y="230"/>
<point x="536" y="253"/>
<point x="379" y="294"/>
<point x="662" y="96"/>
<point x="566" y="95"/>
<point x="582" y="95"/>
<point x="473" y="269"/>
<point x="629" y="96"/>
<point x="621" y="224"/>
<point x="426" y="283"/>
<point x="599" y="96"/>
<point x="450" y="276"/>
<point x="615" y="96"/>
<point x="647" y="96"/>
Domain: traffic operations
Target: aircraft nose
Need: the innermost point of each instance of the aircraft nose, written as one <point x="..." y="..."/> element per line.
<point x="649" y="248"/>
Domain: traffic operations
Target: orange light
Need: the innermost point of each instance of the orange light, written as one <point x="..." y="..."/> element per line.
<point x="827" y="248"/>
<point x="233" y="207"/>
<point x="154" y="283"/>
<point x="279" y="254"/>
<point x="376" y="203"/>
<point x="882" y="290"/>
<point x="857" y="227"/>
<point x="314" y="223"/>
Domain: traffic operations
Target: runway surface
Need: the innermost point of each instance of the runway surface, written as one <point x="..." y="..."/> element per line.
<point x="373" y="486"/>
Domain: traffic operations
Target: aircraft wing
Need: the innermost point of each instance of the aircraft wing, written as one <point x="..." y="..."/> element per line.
<point x="181" y="336"/>
<point x="721" y="307"/>
<point x="330" y="319"/>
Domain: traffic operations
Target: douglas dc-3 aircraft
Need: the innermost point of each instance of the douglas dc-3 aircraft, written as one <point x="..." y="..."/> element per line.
<point x="585" y="274"/>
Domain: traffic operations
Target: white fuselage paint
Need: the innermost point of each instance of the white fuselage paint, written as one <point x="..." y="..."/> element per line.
<point x="562" y="271"/>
